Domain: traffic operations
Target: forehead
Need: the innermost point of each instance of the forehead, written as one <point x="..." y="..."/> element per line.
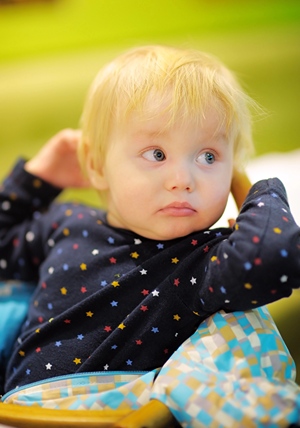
<point x="161" y="111"/>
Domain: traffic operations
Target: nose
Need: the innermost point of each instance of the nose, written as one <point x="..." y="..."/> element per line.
<point x="179" y="177"/>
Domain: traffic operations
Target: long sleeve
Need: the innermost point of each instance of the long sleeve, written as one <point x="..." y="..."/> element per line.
<point x="22" y="198"/>
<point x="260" y="261"/>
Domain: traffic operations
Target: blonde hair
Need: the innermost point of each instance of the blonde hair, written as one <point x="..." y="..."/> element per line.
<point x="195" y="80"/>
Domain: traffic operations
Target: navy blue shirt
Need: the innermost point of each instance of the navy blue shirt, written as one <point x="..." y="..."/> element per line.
<point x="109" y="299"/>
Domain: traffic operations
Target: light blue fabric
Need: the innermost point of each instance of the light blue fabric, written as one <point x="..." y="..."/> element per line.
<point x="14" y="301"/>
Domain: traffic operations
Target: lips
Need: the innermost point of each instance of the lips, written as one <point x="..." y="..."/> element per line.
<point x="178" y="209"/>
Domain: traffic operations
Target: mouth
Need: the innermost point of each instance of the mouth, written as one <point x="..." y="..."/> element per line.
<point x="178" y="209"/>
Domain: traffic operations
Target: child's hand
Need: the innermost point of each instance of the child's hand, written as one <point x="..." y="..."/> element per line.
<point x="240" y="186"/>
<point x="57" y="161"/>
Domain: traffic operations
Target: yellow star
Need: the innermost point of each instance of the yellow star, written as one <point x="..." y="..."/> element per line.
<point x="37" y="183"/>
<point x="22" y="353"/>
<point x="37" y="330"/>
<point x="214" y="258"/>
<point x="248" y="286"/>
<point x="68" y="212"/>
<point x="51" y="319"/>
<point x="135" y="255"/>
<point x="89" y="314"/>
<point x="115" y="284"/>
<point x="63" y="291"/>
<point x="175" y="260"/>
<point x="83" y="266"/>
<point x="176" y="317"/>
<point x="121" y="326"/>
<point x="66" y="232"/>
<point x="277" y="230"/>
<point x="77" y="361"/>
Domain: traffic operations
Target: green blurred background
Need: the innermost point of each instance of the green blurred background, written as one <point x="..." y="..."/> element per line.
<point x="51" y="50"/>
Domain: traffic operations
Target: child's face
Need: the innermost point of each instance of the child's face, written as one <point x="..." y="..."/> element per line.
<point x="164" y="183"/>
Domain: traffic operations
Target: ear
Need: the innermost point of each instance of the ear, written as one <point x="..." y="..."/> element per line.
<point x="96" y="175"/>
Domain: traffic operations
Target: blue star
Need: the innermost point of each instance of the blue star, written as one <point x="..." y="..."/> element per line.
<point x="103" y="283"/>
<point x="154" y="330"/>
<point x="114" y="303"/>
<point x="111" y="240"/>
<point x="28" y="371"/>
<point x="284" y="253"/>
<point x="160" y="246"/>
<point x="219" y="234"/>
<point x="114" y="347"/>
<point x="58" y="343"/>
<point x="85" y="233"/>
<point x="247" y="265"/>
<point x="65" y="266"/>
<point x="50" y="306"/>
<point x="80" y="336"/>
<point x="223" y="290"/>
<point x="274" y="195"/>
<point x="129" y="362"/>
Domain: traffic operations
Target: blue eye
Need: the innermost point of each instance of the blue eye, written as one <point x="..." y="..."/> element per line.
<point x="206" y="158"/>
<point x="154" y="155"/>
<point x="209" y="157"/>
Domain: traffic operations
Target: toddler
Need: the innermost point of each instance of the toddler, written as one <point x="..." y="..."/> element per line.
<point x="164" y="135"/>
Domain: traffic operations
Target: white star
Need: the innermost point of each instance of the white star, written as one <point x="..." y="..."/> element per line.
<point x="106" y="367"/>
<point x="48" y="366"/>
<point x="155" y="293"/>
<point x="284" y="278"/>
<point x="95" y="252"/>
<point x="30" y="236"/>
<point x="261" y="204"/>
<point x="51" y="242"/>
<point x="193" y="280"/>
<point x="143" y="272"/>
<point x="137" y="241"/>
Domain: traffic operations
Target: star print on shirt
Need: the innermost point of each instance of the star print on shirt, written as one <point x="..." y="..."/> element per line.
<point x="89" y="314"/>
<point x="48" y="366"/>
<point x="155" y="293"/>
<point x="134" y="255"/>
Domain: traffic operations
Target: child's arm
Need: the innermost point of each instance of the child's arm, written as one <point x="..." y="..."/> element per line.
<point x="31" y="188"/>
<point x="57" y="161"/>
<point x="260" y="261"/>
